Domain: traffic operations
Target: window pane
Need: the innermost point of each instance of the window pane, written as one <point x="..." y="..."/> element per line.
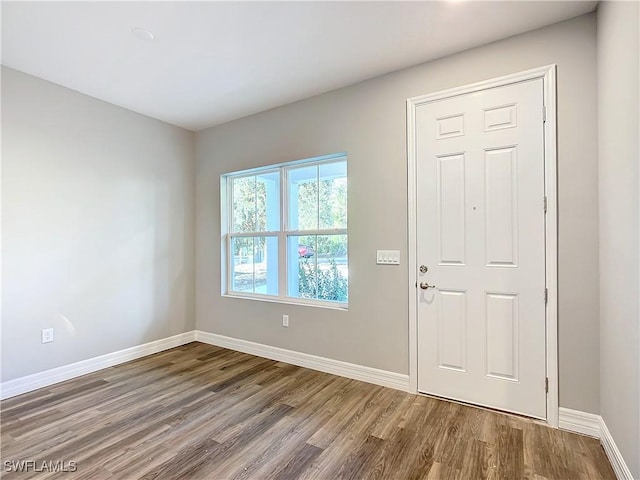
<point x="254" y="265"/>
<point x="318" y="267"/>
<point x="303" y="198"/>
<point x="333" y="195"/>
<point x="301" y="261"/>
<point x="244" y="204"/>
<point x="256" y="203"/>
<point x="268" y="202"/>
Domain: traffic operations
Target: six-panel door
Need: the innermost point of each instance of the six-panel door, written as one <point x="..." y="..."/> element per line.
<point x="480" y="232"/>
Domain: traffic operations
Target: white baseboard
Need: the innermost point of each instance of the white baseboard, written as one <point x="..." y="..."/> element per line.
<point x="615" y="457"/>
<point x="594" y="426"/>
<point x="394" y="380"/>
<point x="32" y="382"/>
<point x="29" y="383"/>
<point x="580" y="422"/>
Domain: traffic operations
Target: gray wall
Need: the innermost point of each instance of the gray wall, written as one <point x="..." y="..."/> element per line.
<point x="97" y="223"/>
<point x="367" y="120"/>
<point x="619" y="156"/>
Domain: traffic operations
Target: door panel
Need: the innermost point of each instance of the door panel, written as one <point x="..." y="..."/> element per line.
<point x="451" y="214"/>
<point x="502" y="336"/>
<point x="480" y="230"/>
<point x="452" y="330"/>
<point x="501" y="191"/>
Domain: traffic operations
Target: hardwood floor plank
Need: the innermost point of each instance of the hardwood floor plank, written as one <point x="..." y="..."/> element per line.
<point x="266" y="456"/>
<point x="186" y="461"/>
<point x="356" y="404"/>
<point x="594" y="460"/>
<point x="49" y="402"/>
<point x="387" y="422"/>
<point x="510" y="453"/>
<point x="238" y="449"/>
<point x="440" y="471"/>
<point x="292" y="468"/>
<point x="544" y="452"/>
<point x="421" y="454"/>
<point x="361" y="462"/>
<point x="181" y="432"/>
<point x="476" y="462"/>
<point x="204" y="412"/>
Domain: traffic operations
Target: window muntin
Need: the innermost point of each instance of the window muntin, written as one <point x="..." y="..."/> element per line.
<point x="286" y="230"/>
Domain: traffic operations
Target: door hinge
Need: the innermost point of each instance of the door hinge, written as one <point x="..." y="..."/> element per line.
<point x="545" y="204"/>
<point x="546" y="295"/>
<point x="544" y="114"/>
<point x="546" y="385"/>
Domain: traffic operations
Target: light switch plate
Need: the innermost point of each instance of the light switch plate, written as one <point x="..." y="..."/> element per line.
<point x="388" y="257"/>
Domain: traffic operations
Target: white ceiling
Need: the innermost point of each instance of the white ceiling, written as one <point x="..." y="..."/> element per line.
<point x="212" y="62"/>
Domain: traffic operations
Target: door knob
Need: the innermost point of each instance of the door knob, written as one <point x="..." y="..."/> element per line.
<point x="425" y="285"/>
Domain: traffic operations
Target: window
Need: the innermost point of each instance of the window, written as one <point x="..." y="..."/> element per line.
<point x="286" y="232"/>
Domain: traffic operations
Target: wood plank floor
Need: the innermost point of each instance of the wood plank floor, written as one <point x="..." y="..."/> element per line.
<point x="204" y="412"/>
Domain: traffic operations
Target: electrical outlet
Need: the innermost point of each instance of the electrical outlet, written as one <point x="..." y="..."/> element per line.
<point x="47" y="335"/>
<point x="285" y="320"/>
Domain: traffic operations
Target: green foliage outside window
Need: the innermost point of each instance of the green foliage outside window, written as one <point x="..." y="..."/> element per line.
<point x="322" y="284"/>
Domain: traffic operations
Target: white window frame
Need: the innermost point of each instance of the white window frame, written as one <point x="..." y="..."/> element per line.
<point x="226" y="218"/>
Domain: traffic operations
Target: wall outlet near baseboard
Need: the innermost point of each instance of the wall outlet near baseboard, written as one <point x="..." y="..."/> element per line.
<point x="47" y="335"/>
<point x="285" y="320"/>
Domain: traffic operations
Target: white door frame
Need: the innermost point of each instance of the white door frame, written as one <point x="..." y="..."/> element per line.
<point x="548" y="74"/>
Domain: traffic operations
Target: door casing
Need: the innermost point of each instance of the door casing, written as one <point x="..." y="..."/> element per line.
<point x="548" y="74"/>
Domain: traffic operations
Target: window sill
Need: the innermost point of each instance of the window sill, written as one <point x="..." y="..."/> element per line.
<point x="290" y="301"/>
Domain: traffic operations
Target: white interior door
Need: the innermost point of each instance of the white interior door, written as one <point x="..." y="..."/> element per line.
<point x="481" y="236"/>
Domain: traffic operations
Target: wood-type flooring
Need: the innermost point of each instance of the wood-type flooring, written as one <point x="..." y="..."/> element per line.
<point x="205" y="412"/>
